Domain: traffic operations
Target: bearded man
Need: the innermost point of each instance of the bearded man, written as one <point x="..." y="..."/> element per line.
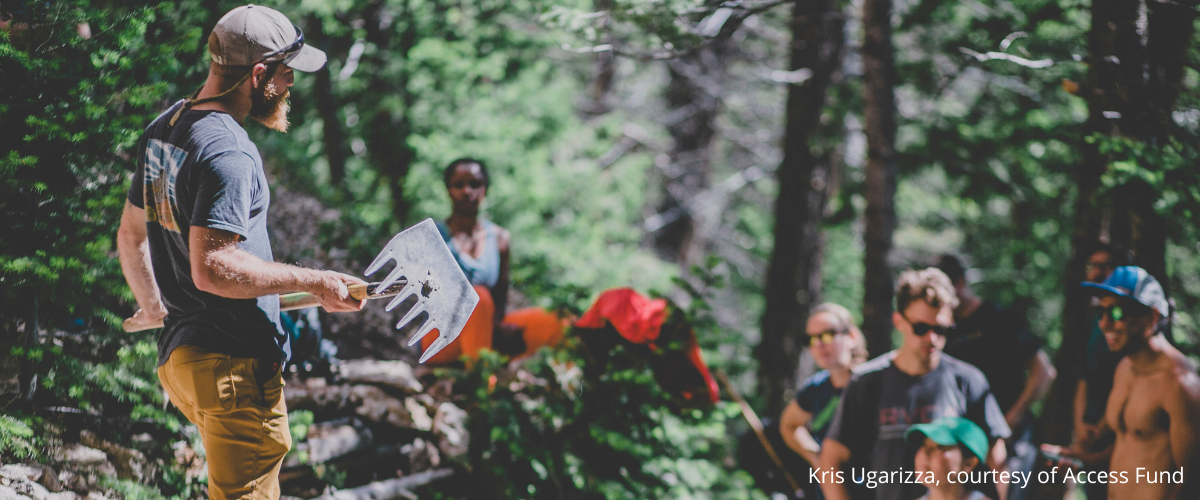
<point x="1154" y="407"/>
<point x="194" y="249"/>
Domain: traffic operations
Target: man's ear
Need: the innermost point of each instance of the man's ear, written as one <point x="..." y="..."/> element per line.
<point x="258" y="75"/>
<point x="1155" y="322"/>
<point x="898" y="321"/>
<point x="970" y="462"/>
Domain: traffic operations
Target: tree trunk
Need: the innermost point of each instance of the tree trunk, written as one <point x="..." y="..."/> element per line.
<point x="387" y="138"/>
<point x="879" y="111"/>
<point x="333" y="137"/>
<point x="694" y="102"/>
<point x="1141" y="83"/>
<point x="794" y="278"/>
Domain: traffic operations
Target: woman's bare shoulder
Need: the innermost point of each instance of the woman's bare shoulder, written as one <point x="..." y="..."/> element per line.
<point x="502" y="238"/>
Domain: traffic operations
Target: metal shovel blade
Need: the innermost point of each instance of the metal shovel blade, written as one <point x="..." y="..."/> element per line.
<point x="441" y="288"/>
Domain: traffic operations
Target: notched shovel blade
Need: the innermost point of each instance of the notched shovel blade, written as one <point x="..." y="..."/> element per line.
<point x="441" y="288"/>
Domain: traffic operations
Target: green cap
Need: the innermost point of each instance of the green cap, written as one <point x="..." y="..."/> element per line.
<point x="950" y="431"/>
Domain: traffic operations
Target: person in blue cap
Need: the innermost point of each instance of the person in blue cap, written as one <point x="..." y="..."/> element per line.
<point x="1154" y="407"/>
<point x="948" y="449"/>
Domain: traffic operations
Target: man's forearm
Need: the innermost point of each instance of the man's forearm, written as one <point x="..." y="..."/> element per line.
<point x="1041" y="376"/>
<point x="133" y="250"/>
<point x="139" y="274"/>
<point x="236" y="274"/>
<point x="833" y="457"/>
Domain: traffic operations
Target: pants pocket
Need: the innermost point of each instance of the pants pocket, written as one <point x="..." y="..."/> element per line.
<point x="209" y="379"/>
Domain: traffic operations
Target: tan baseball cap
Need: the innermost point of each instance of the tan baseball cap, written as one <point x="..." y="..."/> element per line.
<point x="253" y="34"/>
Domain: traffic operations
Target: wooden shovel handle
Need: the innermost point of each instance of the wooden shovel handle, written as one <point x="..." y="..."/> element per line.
<point x="297" y="300"/>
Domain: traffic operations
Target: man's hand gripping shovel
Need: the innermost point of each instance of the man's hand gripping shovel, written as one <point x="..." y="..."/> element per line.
<point x="425" y="268"/>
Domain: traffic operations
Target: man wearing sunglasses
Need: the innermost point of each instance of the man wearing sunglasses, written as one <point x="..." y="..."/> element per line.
<point x="998" y="341"/>
<point x="1091" y="445"/>
<point x="193" y="246"/>
<point x="914" y="384"/>
<point x="1154" y="407"/>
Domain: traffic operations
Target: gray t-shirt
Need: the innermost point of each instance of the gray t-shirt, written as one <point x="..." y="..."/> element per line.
<point x="205" y="172"/>
<point x="882" y="402"/>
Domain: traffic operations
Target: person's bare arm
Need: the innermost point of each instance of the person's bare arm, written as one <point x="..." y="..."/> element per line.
<point x="219" y="267"/>
<point x="1081" y="428"/>
<point x="133" y="249"/>
<point x="792" y="426"/>
<point x="1041" y="377"/>
<point x="1183" y="410"/>
<point x="997" y="455"/>
<point x="833" y="457"/>
<point x="500" y="291"/>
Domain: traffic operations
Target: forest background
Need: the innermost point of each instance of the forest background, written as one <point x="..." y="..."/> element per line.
<point x="747" y="159"/>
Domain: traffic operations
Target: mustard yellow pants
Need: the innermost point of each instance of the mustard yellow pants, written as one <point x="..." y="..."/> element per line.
<point x="243" y="424"/>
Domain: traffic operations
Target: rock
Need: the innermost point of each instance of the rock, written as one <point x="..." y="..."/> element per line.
<point x="397" y="374"/>
<point x="50" y="480"/>
<point x="391" y="488"/>
<point x="368" y="401"/>
<point x="422" y="455"/>
<point x="78" y="454"/>
<point x="30" y="489"/>
<point x="419" y="416"/>
<point x="450" y="425"/>
<point x="379" y="407"/>
<point x="81" y="467"/>
<point x="21" y="472"/>
<point x="7" y="493"/>
<point x="326" y="442"/>
<point x="129" y="464"/>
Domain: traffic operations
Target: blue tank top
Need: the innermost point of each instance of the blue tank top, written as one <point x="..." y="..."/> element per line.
<point x="482" y="271"/>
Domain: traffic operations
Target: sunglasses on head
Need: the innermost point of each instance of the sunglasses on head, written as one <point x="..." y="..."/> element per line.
<point x="923" y="329"/>
<point x="825" y="337"/>
<point x="290" y="49"/>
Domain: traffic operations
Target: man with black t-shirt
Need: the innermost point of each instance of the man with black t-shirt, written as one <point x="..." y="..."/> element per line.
<point x="911" y="385"/>
<point x="193" y="246"/>
<point x="998" y="342"/>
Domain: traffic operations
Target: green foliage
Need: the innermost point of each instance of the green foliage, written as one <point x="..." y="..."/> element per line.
<point x="18" y="439"/>
<point x="590" y="424"/>
<point x="299" y="422"/>
<point x="73" y="110"/>
<point x="130" y="490"/>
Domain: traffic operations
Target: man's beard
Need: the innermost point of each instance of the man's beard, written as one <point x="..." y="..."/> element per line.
<point x="269" y="106"/>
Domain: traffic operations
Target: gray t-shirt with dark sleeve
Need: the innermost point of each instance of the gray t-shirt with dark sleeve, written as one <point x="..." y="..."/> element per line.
<point x="205" y="172"/>
<point x="882" y="402"/>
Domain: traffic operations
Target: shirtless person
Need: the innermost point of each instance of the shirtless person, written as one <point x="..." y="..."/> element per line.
<point x="1154" y="408"/>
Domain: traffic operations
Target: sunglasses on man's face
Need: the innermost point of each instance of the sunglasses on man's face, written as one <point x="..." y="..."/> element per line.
<point x="825" y="337"/>
<point x="1115" y="312"/>
<point x="923" y="329"/>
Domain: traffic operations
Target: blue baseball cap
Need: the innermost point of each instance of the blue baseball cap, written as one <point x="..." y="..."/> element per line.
<point x="1134" y="283"/>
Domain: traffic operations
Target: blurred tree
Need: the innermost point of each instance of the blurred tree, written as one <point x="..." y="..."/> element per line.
<point x="794" y="277"/>
<point x="879" y="109"/>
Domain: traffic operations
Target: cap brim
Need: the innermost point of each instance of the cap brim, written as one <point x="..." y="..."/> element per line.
<point x="1105" y="288"/>
<point x="938" y="434"/>
<point x="308" y="60"/>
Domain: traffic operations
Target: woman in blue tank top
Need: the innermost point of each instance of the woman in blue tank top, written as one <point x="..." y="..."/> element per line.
<point x="481" y="249"/>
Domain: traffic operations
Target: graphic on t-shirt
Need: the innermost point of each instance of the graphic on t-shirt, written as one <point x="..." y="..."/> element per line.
<point x="894" y="421"/>
<point x="162" y="166"/>
<point x="820" y="420"/>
